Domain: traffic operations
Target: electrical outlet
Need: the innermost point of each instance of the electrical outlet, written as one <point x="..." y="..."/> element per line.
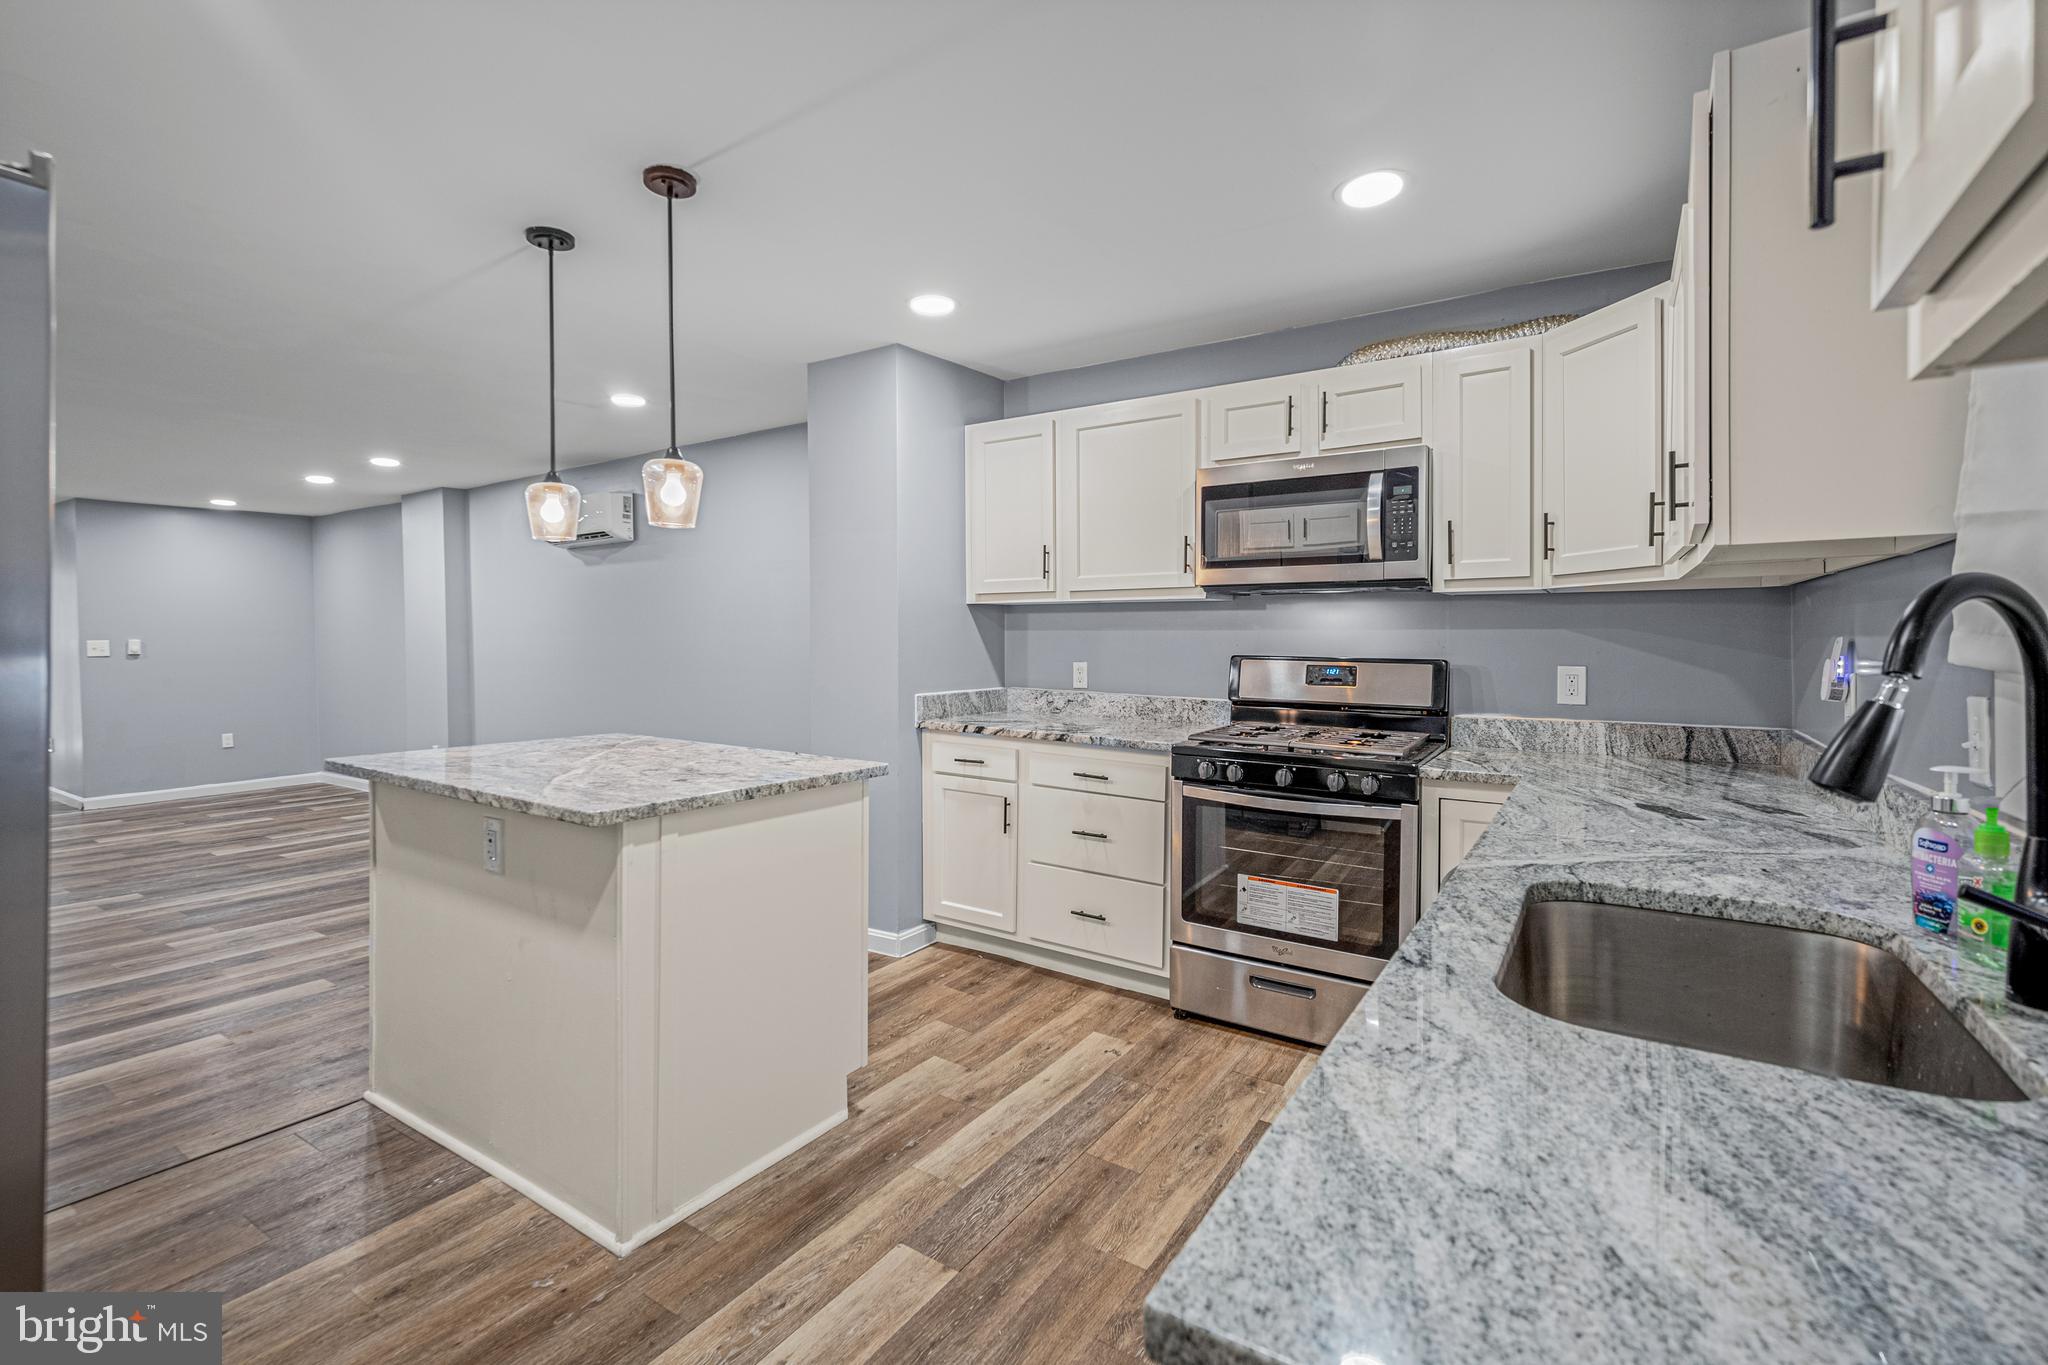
<point x="135" y="649"/>
<point x="1571" y="684"/>
<point x="99" y="649"/>
<point x="1080" y="675"/>
<point x="227" y="739"/>
<point x="494" y="844"/>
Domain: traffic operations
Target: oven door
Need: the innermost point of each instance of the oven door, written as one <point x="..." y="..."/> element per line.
<point x="1330" y="520"/>
<point x="1325" y="885"/>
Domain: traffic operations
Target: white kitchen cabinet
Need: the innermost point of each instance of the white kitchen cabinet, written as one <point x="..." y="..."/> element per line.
<point x="1255" y="420"/>
<point x="1602" y="457"/>
<point x="1103" y="917"/>
<point x="1376" y="404"/>
<point x="1961" y="113"/>
<point x="1126" y="479"/>
<point x="1486" y="475"/>
<point x="1685" y="440"/>
<point x="1010" y="509"/>
<point x="1460" y="822"/>
<point x="970" y="852"/>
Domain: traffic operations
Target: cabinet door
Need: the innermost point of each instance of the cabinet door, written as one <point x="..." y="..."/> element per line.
<point x="1602" y="458"/>
<point x="1127" y="496"/>
<point x="1680" y="406"/>
<point x="1459" y="825"/>
<point x="1368" y="405"/>
<point x="1962" y="117"/>
<point x="970" y="832"/>
<point x="1485" y="446"/>
<point x="1251" y="421"/>
<point x="1010" y="507"/>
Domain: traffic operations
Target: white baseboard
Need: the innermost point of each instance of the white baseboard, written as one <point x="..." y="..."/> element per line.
<point x="569" y="1213"/>
<point x="65" y="798"/>
<point x="1135" y="979"/>
<point x="923" y="934"/>
<point x="253" y="784"/>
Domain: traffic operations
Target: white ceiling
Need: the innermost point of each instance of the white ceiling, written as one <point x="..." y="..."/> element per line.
<point x="289" y="233"/>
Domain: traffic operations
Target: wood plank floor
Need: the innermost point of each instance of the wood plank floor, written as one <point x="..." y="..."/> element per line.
<point x="1025" y="1154"/>
<point x="208" y="976"/>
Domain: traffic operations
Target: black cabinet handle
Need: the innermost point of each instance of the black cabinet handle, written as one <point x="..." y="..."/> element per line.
<point x="1827" y="35"/>
<point x="1187" y="554"/>
<point x="1671" y="483"/>
<point x="1045" y="562"/>
<point x="1451" y="550"/>
<point x="1094" y="777"/>
<point x="1548" y="548"/>
<point x="1290" y="418"/>
<point x="977" y="762"/>
<point x="1656" y="533"/>
<point x="1089" y="914"/>
<point x="1088" y="834"/>
<point x="1006" y="815"/>
<point x="1326" y="412"/>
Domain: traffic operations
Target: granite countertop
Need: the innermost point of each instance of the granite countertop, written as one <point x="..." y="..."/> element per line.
<point x="1111" y="720"/>
<point x="604" y="779"/>
<point x="1460" y="1179"/>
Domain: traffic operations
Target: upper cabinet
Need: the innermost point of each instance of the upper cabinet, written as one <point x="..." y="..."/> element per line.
<point x="1602" y="459"/>
<point x="1485" y="448"/>
<point x="1010" y="509"/>
<point x="1380" y="403"/>
<point x="1126" y="478"/>
<point x="1255" y="420"/>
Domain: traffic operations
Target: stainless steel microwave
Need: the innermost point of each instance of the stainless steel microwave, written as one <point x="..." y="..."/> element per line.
<point x="1322" y="523"/>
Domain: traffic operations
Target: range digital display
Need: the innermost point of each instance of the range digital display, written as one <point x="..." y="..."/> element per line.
<point x="1332" y="675"/>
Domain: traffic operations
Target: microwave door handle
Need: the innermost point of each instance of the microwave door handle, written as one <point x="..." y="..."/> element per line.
<point x="1375" y="549"/>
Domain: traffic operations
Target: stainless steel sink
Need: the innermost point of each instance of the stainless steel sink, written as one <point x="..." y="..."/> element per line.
<point x="1787" y="996"/>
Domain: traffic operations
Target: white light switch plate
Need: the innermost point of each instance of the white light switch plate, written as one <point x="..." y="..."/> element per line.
<point x="99" y="649"/>
<point x="227" y="739"/>
<point x="135" y="649"/>
<point x="1080" y="675"/>
<point x="1571" y="685"/>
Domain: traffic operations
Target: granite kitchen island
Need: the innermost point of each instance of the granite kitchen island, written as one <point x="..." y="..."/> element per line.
<point x="620" y="973"/>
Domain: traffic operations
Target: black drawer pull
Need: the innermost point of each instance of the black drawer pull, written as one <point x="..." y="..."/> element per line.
<point x="1827" y="35"/>
<point x="1094" y="777"/>
<point x="977" y="762"/>
<point x="1090" y="915"/>
<point x="1088" y="834"/>
<point x="1267" y="983"/>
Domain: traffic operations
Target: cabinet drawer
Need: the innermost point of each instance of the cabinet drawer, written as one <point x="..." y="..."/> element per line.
<point x="1084" y="770"/>
<point x="1090" y="833"/>
<point x="1100" y="916"/>
<point x="995" y="761"/>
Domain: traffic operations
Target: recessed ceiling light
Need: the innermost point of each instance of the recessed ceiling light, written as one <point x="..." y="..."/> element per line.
<point x="932" y="305"/>
<point x="1370" y="190"/>
<point x="320" y="478"/>
<point x="385" y="461"/>
<point x="628" y="400"/>
<point x="222" y="502"/>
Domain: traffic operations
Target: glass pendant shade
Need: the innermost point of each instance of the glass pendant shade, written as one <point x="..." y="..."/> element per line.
<point x="552" y="510"/>
<point x="673" y="485"/>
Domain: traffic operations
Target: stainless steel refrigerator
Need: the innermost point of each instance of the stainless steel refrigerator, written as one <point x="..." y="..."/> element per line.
<point x="24" y="709"/>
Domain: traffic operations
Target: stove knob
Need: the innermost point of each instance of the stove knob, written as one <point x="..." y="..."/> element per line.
<point x="1234" y="773"/>
<point x="1366" y="783"/>
<point x="1284" y="777"/>
<point x="1334" y="781"/>
<point x="1204" y="769"/>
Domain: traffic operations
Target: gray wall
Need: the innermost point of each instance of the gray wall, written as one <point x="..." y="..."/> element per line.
<point x="67" y="718"/>
<point x="1865" y="603"/>
<point x="223" y="603"/>
<point x="1705" y="656"/>
<point x="358" y="631"/>
<point x="440" y="702"/>
<point x="700" y="634"/>
<point x="1325" y="344"/>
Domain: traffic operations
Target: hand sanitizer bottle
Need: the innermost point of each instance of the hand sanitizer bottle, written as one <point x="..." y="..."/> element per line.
<point x="1937" y="849"/>
<point x="1990" y="865"/>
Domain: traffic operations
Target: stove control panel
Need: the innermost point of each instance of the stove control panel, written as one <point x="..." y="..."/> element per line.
<point x="1293" y="778"/>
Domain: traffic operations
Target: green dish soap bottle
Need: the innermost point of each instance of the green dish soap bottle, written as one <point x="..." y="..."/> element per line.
<point x="1989" y="864"/>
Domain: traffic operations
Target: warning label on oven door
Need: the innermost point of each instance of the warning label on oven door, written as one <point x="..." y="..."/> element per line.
<point x="1289" y="907"/>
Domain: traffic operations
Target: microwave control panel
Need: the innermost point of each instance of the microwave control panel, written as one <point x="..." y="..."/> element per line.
<point x="1400" y="515"/>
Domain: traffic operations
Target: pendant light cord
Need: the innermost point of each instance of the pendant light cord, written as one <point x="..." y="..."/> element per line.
<point x="671" y="321"/>
<point x="553" y="477"/>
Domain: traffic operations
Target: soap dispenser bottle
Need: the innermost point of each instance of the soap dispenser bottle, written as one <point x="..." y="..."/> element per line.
<point x="1989" y="864"/>
<point x="1937" y="852"/>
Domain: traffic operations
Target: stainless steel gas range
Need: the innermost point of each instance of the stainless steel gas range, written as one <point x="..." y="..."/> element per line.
<point x="1295" y="865"/>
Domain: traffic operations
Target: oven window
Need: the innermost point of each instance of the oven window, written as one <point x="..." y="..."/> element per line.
<point x="1321" y="520"/>
<point x="1330" y="881"/>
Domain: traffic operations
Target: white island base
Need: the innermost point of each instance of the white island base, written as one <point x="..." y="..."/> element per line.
<point x="631" y="1018"/>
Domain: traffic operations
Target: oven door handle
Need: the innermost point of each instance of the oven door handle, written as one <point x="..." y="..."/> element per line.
<point x="1224" y="797"/>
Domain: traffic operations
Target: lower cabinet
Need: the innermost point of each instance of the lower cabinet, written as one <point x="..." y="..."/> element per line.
<point x="1063" y="866"/>
<point x="1454" y="815"/>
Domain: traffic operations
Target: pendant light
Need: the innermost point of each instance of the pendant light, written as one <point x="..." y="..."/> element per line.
<point x="673" y="483"/>
<point x="552" y="507"/>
